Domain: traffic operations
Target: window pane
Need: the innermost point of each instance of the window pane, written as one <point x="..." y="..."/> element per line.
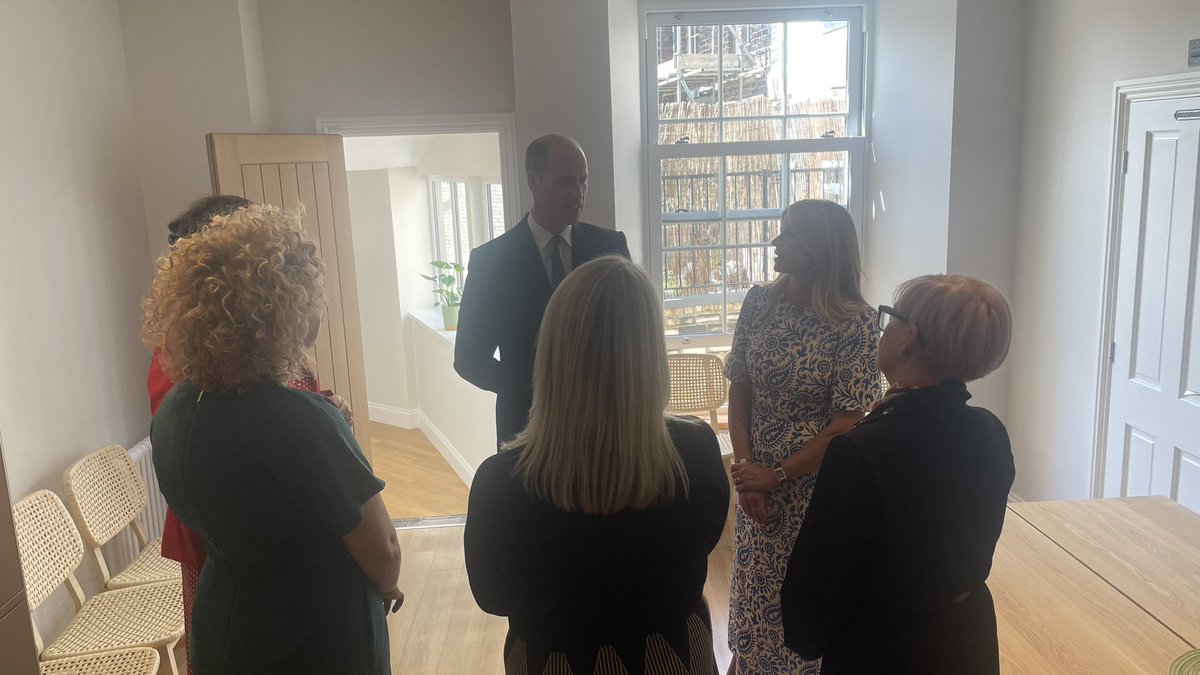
<point x="748" y="266"/>
<point x="670" y="133"/>
<point x="446" y="214"/>
<point x="819" y="175"/>
<point x="691" y="234"/>
<point x="752" y="78"/>
<point x="687" y="71"/>
<point x="464" y="232"/>
<point x="693" y="274"/>
<point x="816" y="76"/>
<point x="495" y="197"/>
<point x="742" y="232"/>
<point x="692" y="319"/>
<point x="690" y="184"/>
<point x="753" y="130"/>
<point x="753" y="182"/>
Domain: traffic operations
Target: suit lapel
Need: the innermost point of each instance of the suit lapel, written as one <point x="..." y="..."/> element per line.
<point x="527" y="258"/>
<point x="582" y="245"/>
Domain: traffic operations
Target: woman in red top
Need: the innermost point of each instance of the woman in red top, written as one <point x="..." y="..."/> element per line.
<point x="178" y="542"/>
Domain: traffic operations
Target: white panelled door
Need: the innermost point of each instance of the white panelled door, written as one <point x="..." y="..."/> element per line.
<point x="1153" y="444"/>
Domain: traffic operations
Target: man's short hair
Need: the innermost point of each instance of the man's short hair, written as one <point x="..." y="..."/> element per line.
<point x="537" y="155"/>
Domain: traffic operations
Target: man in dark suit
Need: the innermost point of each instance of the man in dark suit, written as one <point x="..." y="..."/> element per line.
<point x="510" y="279"/>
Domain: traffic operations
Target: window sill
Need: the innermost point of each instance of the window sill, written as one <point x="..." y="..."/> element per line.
<point x="431" y="319"/>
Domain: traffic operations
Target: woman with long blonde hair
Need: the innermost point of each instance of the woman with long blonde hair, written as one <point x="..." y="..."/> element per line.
<point x="591" y="531"/>
<point x="269" y="477"/>
<point x="802" y="370"/>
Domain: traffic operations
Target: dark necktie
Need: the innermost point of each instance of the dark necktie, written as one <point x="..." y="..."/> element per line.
<point x="557" y="270"/>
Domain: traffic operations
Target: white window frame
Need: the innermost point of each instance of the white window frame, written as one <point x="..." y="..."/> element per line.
<point x="439" y="226"/>
<point x="854" y="144"/>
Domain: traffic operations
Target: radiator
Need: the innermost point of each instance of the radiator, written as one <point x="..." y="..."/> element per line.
<point x="123" y="548"/>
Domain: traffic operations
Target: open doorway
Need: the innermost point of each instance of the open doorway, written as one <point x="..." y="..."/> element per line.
<point x="417" y="198"/>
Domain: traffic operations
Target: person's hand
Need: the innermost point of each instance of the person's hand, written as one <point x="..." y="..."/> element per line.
<point x="754" y="504"/>
<point x="750" y="476"/>
<point x="392" y="599"/>
<point x="339" y="403"/>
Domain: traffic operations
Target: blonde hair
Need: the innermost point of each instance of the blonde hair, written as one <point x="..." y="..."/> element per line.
<point x="233" y="305"/>
<point x="965" y="322"/>
<point x="828" y="234"/>
<point x="597" y="438"/>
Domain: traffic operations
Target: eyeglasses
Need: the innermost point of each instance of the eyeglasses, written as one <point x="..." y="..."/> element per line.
<point x="887" y="313"/>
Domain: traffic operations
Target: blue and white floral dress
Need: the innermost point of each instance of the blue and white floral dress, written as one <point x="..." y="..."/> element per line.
<point x="802" y="371"/>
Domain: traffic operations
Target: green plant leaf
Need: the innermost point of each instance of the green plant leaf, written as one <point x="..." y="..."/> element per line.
<point x="449" y="280"/>
<point x="427" y="276"/>
<point x="458" y="268"/>
<point x="442" y="265"/>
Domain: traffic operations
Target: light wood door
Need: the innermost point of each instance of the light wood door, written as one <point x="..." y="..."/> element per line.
<point x="1153" y="443"/>
<point x="309" y="171"/>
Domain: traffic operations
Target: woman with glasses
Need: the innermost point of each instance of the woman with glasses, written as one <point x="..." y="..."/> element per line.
<point x="802" y="370"/>
<point x="888" y="573"/>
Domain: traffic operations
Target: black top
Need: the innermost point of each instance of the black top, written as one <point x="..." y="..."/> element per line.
<point x="502" y="306"/>
<point x="888" y="572"/>
<point x="271" y="479"/>
<point x="572" y="582"/>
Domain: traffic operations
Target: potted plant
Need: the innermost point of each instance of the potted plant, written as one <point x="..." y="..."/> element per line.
<point x="447" y="278"/>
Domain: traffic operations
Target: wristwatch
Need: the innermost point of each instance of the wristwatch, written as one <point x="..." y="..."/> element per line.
<point x="780" y="473"/>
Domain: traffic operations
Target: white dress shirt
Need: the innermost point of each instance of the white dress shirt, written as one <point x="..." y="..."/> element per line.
<point x="543" y="239"/>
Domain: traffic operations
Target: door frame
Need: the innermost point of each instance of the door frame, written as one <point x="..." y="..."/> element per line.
<point x="502" y="124"/>
<point x="1125" y="94"/>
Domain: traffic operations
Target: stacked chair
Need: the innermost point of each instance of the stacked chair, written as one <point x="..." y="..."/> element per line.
<point x="698" y="385"/>
<point x="106" y="495"/>
<point x="133" y="627"/>
<point x="138" y="661"/>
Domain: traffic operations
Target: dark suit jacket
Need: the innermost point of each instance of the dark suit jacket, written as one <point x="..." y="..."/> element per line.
<point x="502" y="305"/>
<point x="887" y="575"/>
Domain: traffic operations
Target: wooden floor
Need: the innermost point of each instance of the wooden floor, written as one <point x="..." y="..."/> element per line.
<point x="441" y="630"/>
<point x="420" y="484"/>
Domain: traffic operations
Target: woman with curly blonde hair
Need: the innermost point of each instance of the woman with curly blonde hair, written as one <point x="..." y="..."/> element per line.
<point x="271" y="478"/>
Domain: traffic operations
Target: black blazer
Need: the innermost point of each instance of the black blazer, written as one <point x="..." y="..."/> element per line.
<point x="502" y="305"/>
<point x="887" y="574"/>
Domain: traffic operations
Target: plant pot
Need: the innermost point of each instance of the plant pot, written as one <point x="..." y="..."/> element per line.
<point x="450" y="317"/>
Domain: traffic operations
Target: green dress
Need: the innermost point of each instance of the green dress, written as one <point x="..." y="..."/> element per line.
<point x="271" y="478"/>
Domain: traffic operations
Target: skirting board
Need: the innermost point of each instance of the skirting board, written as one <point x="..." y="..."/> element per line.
<point x="1014" y="497"/>
<point x="444" y="446"/>
<point x="404" y="418"/>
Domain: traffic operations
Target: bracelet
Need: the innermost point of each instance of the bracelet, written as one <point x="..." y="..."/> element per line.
<point x="741" y="461"/>
<point x="780" y="473"/>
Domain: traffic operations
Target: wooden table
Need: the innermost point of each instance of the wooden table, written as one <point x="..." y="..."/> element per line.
<point x="1104" y="586"/>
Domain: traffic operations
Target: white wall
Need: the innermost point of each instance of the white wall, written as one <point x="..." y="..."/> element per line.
<point x="912" y="90"/>
<point x="456" y="416"/>
<point x="190" y="73"/>
<point x="381" y="57"/>
<point x="414" y="240"/>
<point x="989" y="63"/>
<point x="74" y="263"/>
<point x="1076" y="50"/>
<point x="629" y="176"/>
<point x="414" y="250"/>
<point x="562" y="84"/>
<point x="379" y="296"/>
<point x="462" y="155"/>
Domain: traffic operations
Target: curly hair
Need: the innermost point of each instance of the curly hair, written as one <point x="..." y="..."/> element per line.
<point x="234" y="304"/>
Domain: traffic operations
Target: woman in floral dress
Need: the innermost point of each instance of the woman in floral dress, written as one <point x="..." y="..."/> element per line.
<point x="802" y="370"/>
